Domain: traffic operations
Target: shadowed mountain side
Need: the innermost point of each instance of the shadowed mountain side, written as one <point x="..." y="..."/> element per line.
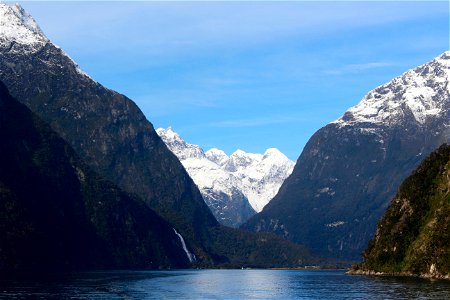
<point x="105" y="128"/>
<point x="58" y="214"/>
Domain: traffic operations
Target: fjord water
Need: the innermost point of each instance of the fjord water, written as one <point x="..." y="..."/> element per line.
<point x="221" y="284"/>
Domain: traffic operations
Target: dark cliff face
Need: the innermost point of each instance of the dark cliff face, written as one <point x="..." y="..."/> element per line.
<point x="350" y="169"/>
<point x="109" y="131"/>
<point x="413" y="236"/>
<point x="56" y="213"/>
<point x="340" y="188"/>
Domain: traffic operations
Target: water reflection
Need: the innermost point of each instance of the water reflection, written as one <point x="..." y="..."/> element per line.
<point x="221" y="284"/>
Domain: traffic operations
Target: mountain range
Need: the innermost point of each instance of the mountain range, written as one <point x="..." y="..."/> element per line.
<point x="115" y="140"/>
<point x="234" y="186"/>
<point x="107" y="151"/>
<point x="349" y="170"/>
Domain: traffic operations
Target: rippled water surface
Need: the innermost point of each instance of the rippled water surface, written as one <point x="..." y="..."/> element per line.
<point x="221" y="284"/>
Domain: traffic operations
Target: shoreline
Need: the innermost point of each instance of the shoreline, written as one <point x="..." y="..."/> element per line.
<point x="428" y="276"/>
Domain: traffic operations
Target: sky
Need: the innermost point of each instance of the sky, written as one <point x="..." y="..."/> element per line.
<point x="245" y="75"/>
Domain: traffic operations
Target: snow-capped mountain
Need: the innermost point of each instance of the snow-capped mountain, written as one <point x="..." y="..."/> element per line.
<point x="261" y="175"/>
<point x="420" y="93"/>
<point x="350" y="169"/>
<point x="20" y="34"/>
<point x="105" y="128"/>
<point x="234" y="186"/>
<point x="18" y="27"/>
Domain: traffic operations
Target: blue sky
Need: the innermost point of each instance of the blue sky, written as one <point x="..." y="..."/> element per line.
<point x="247" y="75"/>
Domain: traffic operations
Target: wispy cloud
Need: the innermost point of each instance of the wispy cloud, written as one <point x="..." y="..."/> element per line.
<point x="354" y="68"/>
<point x="262" y="121"/>
<point x="176" y="102"/>
<point x="162" y="28"/>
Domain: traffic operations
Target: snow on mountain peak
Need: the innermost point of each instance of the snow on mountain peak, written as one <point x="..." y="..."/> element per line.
<point x="178" y="146"/>
<point x="19" y="33"/>
<point x="444" y="58"/>
<point x="273" y="153"/>
<point x="422" y="92"/>
<point x="242" y="154"/>
<point x="256" y="176"/>
<point x="17" y="26"/>
<point x="169" y="134"/>
<point x="217" y="156"/>
<point x="216" y="151"/>
<point x="241" y="160"/>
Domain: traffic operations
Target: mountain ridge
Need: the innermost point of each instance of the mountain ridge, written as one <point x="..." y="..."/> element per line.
<point x="373" y="108"/>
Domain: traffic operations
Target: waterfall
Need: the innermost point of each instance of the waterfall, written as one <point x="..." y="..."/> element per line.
<point x="189" y="255"/>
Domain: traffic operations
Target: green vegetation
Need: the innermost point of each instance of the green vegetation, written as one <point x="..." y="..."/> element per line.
<point x="413" y="237"/>
<point x="235" y="249"/>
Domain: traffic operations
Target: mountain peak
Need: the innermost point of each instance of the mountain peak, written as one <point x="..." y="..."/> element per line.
<point x="239" y="152"/>
<point x="217" y="152"/>
<point x="444" y="62"/>
<point x="16" y="25"/>
<point x="179" y="146"/>
<point x="250" y="157"/>
<point x="169" y="134"/>
<point x="20" y="34"/>
<point x="217" y="156"/>
<point x="273" y="152"/>
<point x="420" y="93"/>
<point x="444" y="56"/>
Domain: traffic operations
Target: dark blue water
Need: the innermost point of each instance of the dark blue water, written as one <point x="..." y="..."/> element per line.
<point x="221" y="284"/>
